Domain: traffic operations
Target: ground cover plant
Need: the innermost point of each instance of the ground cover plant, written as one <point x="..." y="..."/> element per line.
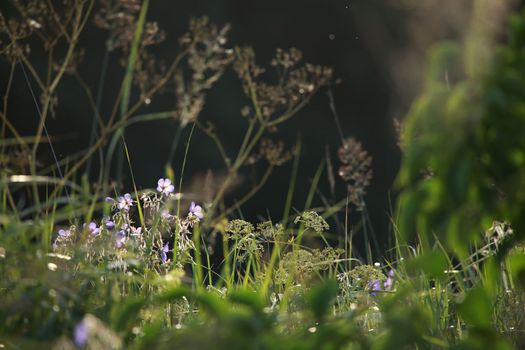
<point x="100" y="264"/>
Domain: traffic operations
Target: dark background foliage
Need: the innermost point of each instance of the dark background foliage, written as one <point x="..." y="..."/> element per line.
<point x="375" y="48"/>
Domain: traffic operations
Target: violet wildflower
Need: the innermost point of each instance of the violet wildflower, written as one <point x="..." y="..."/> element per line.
<point x="125" y="202"/>
<point x="110" y="225"/>
<point x="164" y="251"/>
<point x="165" y="214"/>
<point x="64" y="233"/>
<point x="93" y="229"/>
<point x="120" y="238"/>
<point x="389" y="281"/>
<point x="195" y="213"/>
<point x="374" y="286"/>
<point x="165" y="187"/>
<point x="80" y="334"/>
<point x="109" y="200"/>
<point x="136" y="231"/>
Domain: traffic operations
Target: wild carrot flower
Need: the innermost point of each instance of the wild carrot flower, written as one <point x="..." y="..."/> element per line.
<point x="165" y="187"/>
<point x="164" y="251"/>
<point x="125" y="202"/>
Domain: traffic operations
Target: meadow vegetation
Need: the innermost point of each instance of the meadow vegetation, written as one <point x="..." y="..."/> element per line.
<point x="88" y="263"/>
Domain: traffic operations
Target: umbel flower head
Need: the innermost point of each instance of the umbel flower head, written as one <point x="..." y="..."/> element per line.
<point x="312" y="220"/>
<point x="164" y="186"/>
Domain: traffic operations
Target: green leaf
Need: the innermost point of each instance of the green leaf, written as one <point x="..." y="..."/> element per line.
<point x="132" y="59"/>
<point x="433" y="264"/>
<point x="322" y="297"/>
<point x="248" y="298"/>
<point x="124" y="315"/>
<point x="476" y="309"/>
<point x="517" y="268"/>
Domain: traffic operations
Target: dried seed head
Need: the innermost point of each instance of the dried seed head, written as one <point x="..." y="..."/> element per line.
<point x="355" y="170"/>
<point x="207" y="60"/>
<point x="295" y="83"/>
<point x="274" y="152"/>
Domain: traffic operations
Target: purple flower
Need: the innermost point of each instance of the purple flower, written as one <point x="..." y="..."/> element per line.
<point x="120" y="238"/>
<point x="165" y="187"/>
<point x="109" y="200"/>
<point x="194" y="214"/>
<point x="93" y="229"/>
<point x="136" y="231"/>
<point x="374" y="286"/>
<point x="164" y="251"/>
<point x="80" y="334"/>
<point x="64" y="233"/>
<point x="110" y="225"/>
<point x="388" y="283"/>
<point x="195" y="211"/>
<point x="165" y="214"/>
<point x="125" y="202"/>
<point x="390" y="280"/>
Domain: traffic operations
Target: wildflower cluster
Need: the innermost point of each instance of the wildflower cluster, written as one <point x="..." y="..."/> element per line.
<point x="300" y="266"/>
<point x="312" y="220"/>
<point x="366" y="278"/>
<point x="247" y="242"/>
<point x="151" y="240"/>
<point x="237" y="229"/>
<point x="269" y="231"/>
